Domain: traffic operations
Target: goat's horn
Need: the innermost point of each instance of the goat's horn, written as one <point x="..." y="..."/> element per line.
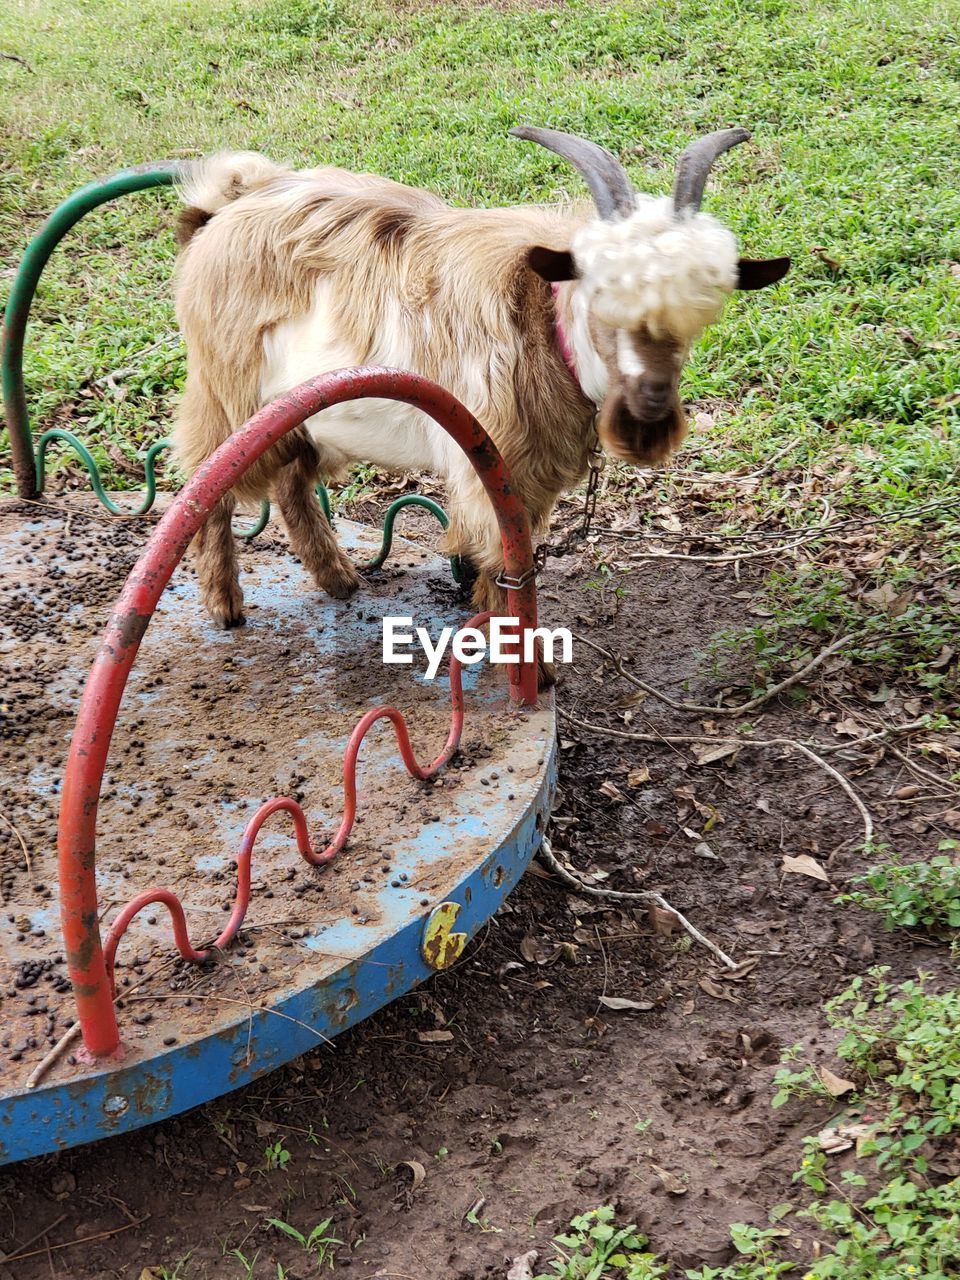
<point x="695" y="163"/>
<point x="603" y="173"/>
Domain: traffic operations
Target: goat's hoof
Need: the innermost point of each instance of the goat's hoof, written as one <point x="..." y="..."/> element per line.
<point x="342" y="584"/>
<point x="546" y="675"/>
<point x="229" y="621"/>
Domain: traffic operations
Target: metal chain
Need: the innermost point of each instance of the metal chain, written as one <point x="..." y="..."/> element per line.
<point x="596" y="459"/>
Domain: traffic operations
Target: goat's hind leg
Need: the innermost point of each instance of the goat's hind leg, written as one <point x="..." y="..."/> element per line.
<point x="215" y="556"/>
<point x="311" y="537"/>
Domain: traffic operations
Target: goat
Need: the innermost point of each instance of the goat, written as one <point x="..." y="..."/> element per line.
<point x="542" y="322"/>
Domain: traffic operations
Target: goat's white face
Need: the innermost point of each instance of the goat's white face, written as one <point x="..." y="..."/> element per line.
<point x="655" y="272"/>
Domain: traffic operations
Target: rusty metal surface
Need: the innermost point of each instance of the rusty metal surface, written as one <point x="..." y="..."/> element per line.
<point x="316" y="953"/>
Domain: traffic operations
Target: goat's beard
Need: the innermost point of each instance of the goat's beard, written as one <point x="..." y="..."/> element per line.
<point x="638" y="440"/>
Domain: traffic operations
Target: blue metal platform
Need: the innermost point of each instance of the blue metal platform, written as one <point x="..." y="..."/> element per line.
<point x="212" y="724"/>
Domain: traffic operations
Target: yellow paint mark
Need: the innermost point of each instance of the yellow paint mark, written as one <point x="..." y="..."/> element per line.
<point x="441" y="948"/>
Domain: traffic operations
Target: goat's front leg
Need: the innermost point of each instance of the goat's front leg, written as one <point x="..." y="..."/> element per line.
<point x="311" y="537"/>
<point x="216" y="559"/>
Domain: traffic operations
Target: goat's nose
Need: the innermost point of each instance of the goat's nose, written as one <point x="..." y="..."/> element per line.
<point x="654" y="395"/>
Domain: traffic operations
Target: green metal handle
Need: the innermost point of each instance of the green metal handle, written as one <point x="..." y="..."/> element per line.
<point x="66" y="215"/>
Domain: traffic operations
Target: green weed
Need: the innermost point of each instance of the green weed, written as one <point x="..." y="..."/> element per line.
<point x="318" y="1242"/>
<point x="912" y="895"/>
<point x="594" y="1248"/>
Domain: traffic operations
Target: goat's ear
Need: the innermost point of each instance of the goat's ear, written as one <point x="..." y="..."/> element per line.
<point x="757" y="273"/>
<point x="552" y="265"/>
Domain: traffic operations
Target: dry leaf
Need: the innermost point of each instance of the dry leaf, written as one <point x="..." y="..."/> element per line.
<point x="612" y="792"/>
<point x="618" y="1002"/>
<point x="804" y="865"/>
<point x="718" y="993"/>
<point x="663" y="923"/>
<point x="707" y="754"/>
<point x="434" y="1037"/>
<point x="671" y="1183"/>
<point x="638" y="776"/>
<point x="841" y="1137"/>
<point x="539" y="950"/>
<point x="668" y="520"/>
<point x="848" y="728"/>
<point x="943" y="658"/>
<point x="887" y="597"/>
<point x="835" y="1085"/>
<point x="418" y="1171"/>
<point x="522" y="1267"/>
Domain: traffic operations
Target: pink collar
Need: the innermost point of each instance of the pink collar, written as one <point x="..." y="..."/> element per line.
<point x="563" y="344"/>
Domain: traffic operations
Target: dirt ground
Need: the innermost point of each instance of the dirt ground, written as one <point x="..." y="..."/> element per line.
<point x="449" y="1159"/>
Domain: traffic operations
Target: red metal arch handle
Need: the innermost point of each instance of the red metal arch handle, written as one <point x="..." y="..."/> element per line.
<point x="103" y="692"/>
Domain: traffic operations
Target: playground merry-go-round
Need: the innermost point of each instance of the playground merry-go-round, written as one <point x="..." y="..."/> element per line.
<point x="221" y="848"/>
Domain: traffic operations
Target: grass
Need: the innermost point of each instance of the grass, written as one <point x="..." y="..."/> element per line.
<point x="853" y="107"/>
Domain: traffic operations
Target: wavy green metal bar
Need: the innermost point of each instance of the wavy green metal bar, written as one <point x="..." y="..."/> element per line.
<point x="93" y="471"/>
<point x="149" y="473"/>
<point x="409" y="500"/>
<point x="66" y="215"/>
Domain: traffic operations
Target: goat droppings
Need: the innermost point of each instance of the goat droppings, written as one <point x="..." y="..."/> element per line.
<point x="670" y="275"/>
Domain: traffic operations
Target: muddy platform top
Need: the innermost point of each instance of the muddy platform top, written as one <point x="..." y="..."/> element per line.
<point x="212" y="724"/>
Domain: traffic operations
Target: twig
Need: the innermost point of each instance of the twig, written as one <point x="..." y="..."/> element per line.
<point x="837" y="777"/>
<point x="735" y="477"/>
<point x="46" y="1062"/>
<point x="37" y="1235"/>
<point x="244" y="1004"/>
<point x="744" y="707"/>
<point x="110" y="379"/>
<point x="15" y="57"/>
<point x="69" y="1244"/>
<point x="847" y="524"/>
<point x="741" y="742"/>
<point x="921" y="771"/>
<point x="606" y="966"/>
<point x="26" y="851"/>
<point x="547" y="855"/>
<point x="734" y="558"/>
<point x="881" y="735"/>
<point x="150" y="517"/>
